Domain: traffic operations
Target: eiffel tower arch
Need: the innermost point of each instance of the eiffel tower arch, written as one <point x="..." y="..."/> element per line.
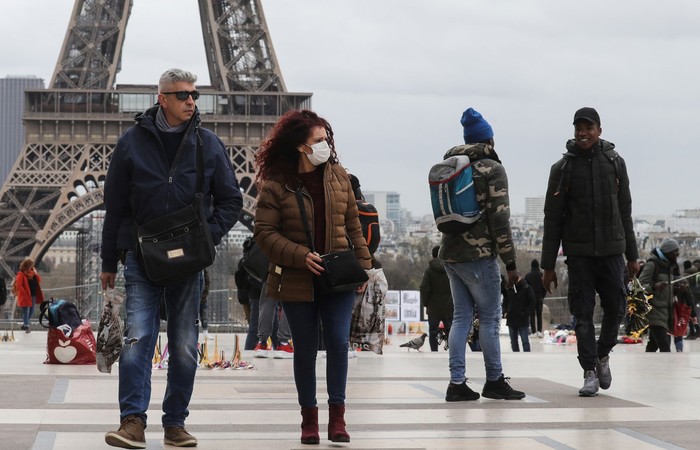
<point x="71" y="127"/>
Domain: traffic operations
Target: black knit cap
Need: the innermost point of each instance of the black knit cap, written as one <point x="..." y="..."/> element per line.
<point x="587" y="113"/>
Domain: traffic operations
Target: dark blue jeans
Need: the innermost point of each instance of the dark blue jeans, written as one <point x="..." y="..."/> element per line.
<point x="143" y="323"/>
<point x="588" y="275"/>
<point x="333" y="313"/>
<point x="523" y="333"/>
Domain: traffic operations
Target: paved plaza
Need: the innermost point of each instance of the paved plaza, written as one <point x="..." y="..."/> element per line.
<point x="395" y="401"/>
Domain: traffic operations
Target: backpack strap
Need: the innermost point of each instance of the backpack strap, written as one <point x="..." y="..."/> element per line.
<point x="565" y="178"/>
<point x="44" y="312"/>
<point x="614" y="159"/>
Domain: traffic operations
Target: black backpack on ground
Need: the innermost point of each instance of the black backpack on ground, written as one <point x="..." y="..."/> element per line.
<point x="59" y="312"/>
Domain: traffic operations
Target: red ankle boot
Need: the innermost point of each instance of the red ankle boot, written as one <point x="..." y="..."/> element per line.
<point x="309" y="425"/>
<point x="336" y="424"/>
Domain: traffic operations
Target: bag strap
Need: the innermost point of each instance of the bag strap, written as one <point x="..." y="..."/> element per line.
<point x="304" y="217"/>
<point x="199" y="161"/>
<point x="44" y="312"/>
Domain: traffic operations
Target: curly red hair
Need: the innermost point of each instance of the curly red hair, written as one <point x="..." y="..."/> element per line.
<point x="278" y="153"/>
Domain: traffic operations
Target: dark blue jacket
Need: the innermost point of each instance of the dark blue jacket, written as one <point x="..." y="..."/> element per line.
<point x="140" y="186"/>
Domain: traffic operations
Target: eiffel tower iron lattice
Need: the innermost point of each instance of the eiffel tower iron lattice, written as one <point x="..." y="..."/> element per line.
<point x="71" y="128"/>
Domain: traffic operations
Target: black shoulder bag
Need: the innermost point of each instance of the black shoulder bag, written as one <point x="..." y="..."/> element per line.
<point x="342" y="271"/>
<point x="178" y="244"/>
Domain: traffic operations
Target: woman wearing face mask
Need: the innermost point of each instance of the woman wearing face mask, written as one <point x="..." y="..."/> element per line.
<point x="299" y="154"/>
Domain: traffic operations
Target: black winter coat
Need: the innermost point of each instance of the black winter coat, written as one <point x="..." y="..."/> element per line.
<point x="588" y="206"/>
<point x="517" y="303"/>
<point x="435" y="293"/>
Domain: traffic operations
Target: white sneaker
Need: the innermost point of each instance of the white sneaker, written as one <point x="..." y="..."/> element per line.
<point x="539" y="334"/>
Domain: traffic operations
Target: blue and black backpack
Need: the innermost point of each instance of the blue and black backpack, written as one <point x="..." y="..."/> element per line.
<point x="59" y="312"/>
<point x="453" y="195"/>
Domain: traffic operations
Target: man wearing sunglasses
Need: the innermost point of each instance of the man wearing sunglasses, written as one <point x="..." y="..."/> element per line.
<point x="153" y="171"/>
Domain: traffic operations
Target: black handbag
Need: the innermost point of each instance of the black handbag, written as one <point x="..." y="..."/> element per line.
<point x="178" y="244"/>
<point x="255" y="262"/>
<point x="342" y="271"/>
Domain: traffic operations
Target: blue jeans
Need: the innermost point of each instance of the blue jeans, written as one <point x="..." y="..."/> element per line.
<point x="27" y="312"/>
<point x="143" y="323"/>
<point x="333" y="312"/>
<point x="251" y="338"/>
<point x="523" y="333"/>
<point x="475" y="285"/>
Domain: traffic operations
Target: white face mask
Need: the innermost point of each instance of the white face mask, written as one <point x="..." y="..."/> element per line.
<point x="320" y="153"/>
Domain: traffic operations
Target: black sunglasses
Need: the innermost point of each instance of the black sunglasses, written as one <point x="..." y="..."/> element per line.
<point x="182" y="95"/>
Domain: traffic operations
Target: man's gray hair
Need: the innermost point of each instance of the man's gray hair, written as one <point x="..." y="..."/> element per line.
<point x="172" y="76"/>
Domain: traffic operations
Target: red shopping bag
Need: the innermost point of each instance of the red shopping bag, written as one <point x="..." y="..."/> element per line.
<point x="681" y="316"/>
<point x="66" y="346"/>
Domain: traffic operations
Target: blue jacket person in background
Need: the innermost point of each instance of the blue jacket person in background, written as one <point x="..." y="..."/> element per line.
<point x="145" y="180"/>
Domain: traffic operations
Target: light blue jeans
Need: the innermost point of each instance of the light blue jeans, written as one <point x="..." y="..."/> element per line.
<point x="143" y="323"/>
<point x="476" y="287"/>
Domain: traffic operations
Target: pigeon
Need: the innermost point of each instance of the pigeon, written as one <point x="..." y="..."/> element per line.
<point x="416" y="343"/>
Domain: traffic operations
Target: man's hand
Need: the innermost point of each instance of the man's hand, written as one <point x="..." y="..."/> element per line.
<point x="513" y="278"/>
<point x="548" y="278"/>
<point x="633" y="268"/>
<point x="108" y="280"/>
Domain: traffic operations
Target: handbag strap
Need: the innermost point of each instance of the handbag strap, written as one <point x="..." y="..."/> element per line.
<point x="198" y="163"/>
<point x="304" y="218"/>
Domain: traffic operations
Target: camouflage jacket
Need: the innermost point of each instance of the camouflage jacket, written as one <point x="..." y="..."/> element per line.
<point x="491" y="235"/>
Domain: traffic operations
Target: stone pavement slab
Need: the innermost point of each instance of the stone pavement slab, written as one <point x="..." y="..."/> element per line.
<point x="395" y="401"/>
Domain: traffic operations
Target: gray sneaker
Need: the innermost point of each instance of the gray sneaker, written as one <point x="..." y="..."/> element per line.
<point x="603" y="370"/>
<point x="590" y="384"/>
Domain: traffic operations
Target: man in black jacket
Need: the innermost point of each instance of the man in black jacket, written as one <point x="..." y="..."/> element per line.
<point x="153" y="171"/>
<point x="588" y="210"/>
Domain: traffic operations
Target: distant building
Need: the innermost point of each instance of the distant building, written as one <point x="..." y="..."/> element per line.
<point x="11" y="110"/>
<point x="534" y="210"/>
<point x="388" y="206"/>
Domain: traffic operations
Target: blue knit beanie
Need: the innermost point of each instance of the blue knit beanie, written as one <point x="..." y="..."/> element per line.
<point x="476" y="128"/>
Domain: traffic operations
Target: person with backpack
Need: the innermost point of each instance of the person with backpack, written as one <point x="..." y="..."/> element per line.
<point x="656" y="278"/>
<point x="470" y="262"/>
<point x="588" y="211"/>
<point x="27" y="290"/>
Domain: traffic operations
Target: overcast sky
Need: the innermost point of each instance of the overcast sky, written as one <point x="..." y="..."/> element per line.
<point x="393" y="77"/>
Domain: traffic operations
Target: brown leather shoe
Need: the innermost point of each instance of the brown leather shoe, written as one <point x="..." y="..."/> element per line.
<point x="179" y="437"/>
<point x="129" y="435"/>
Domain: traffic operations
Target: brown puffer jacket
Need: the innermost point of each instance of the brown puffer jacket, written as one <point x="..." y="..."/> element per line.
<point x="280" y="233"/>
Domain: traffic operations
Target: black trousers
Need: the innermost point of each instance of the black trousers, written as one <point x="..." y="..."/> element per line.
<point x="659" y="339"/>
<point x="433" y="326"/>
<point x="536" y="313"/>
<point x="606" y="276"/>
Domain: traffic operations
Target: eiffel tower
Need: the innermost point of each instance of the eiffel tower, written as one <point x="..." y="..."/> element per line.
<point x="71" y="128"/>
